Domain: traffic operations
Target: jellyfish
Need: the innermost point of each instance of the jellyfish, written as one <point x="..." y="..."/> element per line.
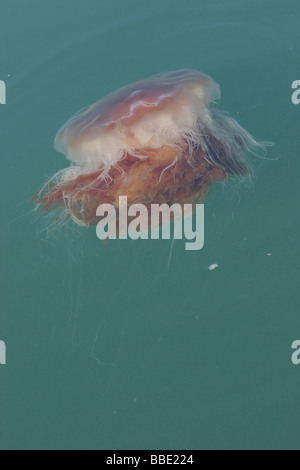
<point x="158" y="140"/>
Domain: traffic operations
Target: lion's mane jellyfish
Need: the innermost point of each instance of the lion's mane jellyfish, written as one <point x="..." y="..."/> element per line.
<point x="155" y="141"/>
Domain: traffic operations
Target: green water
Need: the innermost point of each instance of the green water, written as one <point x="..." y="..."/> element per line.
<point x="107" y="346"/>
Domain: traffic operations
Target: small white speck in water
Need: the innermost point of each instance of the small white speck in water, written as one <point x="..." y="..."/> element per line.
<point x="213" y="266"/>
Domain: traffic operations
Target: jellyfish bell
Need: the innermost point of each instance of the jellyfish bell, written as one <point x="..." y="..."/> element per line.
<point x="145" y="115"/>
<point x="156" y="141"/>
